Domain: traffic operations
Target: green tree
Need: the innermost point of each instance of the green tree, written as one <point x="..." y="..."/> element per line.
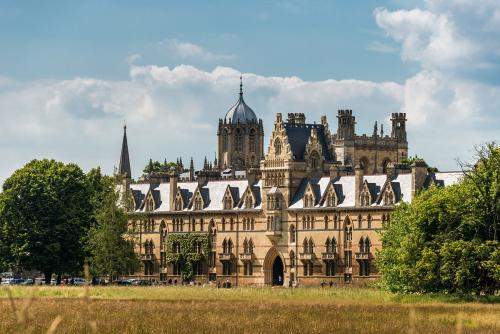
<point x="158" y="167"/>
<point x="110" y="247"/>
<point x="447" y="239"/>
<point x="44" y="217"/>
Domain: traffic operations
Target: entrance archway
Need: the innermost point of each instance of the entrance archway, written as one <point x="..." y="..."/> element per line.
<point x="278" y="271"/>
<point x="274" y="267"/>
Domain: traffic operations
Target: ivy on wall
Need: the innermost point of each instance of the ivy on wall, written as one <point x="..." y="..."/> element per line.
<point x="186" y="251"/>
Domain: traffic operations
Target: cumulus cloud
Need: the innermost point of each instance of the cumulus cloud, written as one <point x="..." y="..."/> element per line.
<point x="173" y="111"/>
<point x="188" y="50"/>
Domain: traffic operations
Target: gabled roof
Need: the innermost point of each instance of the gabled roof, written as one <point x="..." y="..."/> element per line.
<point x="298" y="137"/>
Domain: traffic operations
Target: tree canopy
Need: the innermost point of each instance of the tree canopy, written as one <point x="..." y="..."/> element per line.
<point x="110" y="247"/>
<point x="158" y="167"/>
<point x="44" y="217"/>
<point x="447" y="238"/>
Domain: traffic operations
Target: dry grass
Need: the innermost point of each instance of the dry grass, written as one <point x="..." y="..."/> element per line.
<point x="208" y="310"/>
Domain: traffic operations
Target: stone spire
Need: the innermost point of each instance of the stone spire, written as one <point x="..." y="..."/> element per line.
<point x="191" y="170"/>
<point x="375" y="129"/>
<point x="382" y="130"/>
<point x="124" y="168"/>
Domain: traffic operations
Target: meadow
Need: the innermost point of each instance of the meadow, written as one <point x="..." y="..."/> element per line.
<point x="244" y="310"/>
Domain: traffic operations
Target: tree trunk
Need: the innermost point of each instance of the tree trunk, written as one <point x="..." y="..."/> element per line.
<point x="48" y="276"/>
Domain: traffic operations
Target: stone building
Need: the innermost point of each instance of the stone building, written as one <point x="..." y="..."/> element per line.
<point x="306" y="212"/>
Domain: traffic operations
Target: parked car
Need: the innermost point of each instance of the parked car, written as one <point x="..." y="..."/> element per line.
<point x="79" y="281"/>
<point x="27" y="281"/>
<point x="6" y="281"/>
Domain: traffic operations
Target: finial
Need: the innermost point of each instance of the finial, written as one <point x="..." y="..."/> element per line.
<point x="241" y="85"/>
<point x="124" y="126"/>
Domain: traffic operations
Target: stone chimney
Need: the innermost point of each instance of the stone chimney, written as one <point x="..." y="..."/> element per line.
<point x="418" y="176"/>
<point x="174" y="178"/>
<point x="336" y="170"/>
<point x="358" y="183"/>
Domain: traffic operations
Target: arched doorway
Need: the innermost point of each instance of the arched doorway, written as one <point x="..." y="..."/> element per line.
<point x="278" y="271"/>
<point x="274" y="267"/>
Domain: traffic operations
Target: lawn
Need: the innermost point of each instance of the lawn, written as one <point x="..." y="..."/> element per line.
<point x="243" y="310"/>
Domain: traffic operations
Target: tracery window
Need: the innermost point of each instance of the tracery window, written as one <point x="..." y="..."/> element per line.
<point x="365" y="198"/>
<point x="277" y="147"/>
<point x="292" y="259"/>
<point x="314" y="160"/>
<point x="252" y="141"/>
<point x="388" y="198"/>
<point x="239" y="140"/>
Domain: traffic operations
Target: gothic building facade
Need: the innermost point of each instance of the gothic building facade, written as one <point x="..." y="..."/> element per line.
<point x="304" y="212"/>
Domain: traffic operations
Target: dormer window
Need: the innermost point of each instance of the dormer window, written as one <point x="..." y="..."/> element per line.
<point x="389" y="197"/>
<point x="228" y="203"/>
<point x="308" y="201"/>
<point x="178" y="204"/>
<point x="314" y="162"/>
<point x="365" y="198"/>
<point x="331" y="198"/>
<point x="150" y="205"/>
<point x="248" y="202"/>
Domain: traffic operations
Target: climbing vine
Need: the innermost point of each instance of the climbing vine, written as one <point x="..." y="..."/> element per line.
<point x="186" y="248"/>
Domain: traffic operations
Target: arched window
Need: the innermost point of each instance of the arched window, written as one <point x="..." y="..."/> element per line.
<point x="223" y="224"/>
<point x="224" y="246"/>
<point x="331" y="199"/>
<point x="326" y="222"/>
<point x="252" y="143"/>
<point x="231" y="224"/>
<point x="277" y="147"/>
<point x="348" y="233"/>
<point x="193" y="225"/>
<point x="213" y="231"/>
<point x="250" y="246"/>
<point x="230" y="246"/>
<point x="360" y="221"/>
<point x="365" y="198"/>
<point x="292" y="259"/>
<point x="202" y="225"/>
<point x="369" y="220"/>
<point x="335" y="222"/>
<point x="361" y="245"/>
<point x="238" y="140"/>
<point x="388" y="198"/>
<point x="305" y="245"/>
<point x="245" y="246"/>
<point x="150" y="205"/>
<point x="225" y="140"/>
<point x="292" y="233"/>
<point x="311" y="246"/>
<point x="314" y="160"/>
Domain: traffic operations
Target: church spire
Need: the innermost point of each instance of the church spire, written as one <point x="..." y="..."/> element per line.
<point x="124" y="168"/>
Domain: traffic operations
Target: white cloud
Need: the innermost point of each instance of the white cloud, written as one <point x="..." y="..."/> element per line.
<point x="426" y="37"/>
<point x="174" y="112"/>
<point x="188" y="50"/>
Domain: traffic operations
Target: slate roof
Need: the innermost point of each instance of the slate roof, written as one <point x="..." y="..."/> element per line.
<point x="213" y="191"/>
<point x="298" y="136"/>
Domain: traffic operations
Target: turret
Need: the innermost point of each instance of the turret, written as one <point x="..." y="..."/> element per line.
<point x="399" y="127"/>
<point x="346" y="123"/>
<point x="191" y="170"/>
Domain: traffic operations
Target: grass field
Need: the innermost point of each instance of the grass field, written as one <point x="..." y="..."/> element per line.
<point x="241" y="310"/>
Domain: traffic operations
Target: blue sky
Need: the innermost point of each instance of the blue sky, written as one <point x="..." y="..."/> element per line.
<point x="313" y="40"/>
<point x="71" y="73"/>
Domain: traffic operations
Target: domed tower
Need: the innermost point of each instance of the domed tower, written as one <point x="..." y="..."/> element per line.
<point x="240" y="137"/>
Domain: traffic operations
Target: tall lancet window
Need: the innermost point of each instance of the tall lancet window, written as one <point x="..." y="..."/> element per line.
<point x="239" y="140"/>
